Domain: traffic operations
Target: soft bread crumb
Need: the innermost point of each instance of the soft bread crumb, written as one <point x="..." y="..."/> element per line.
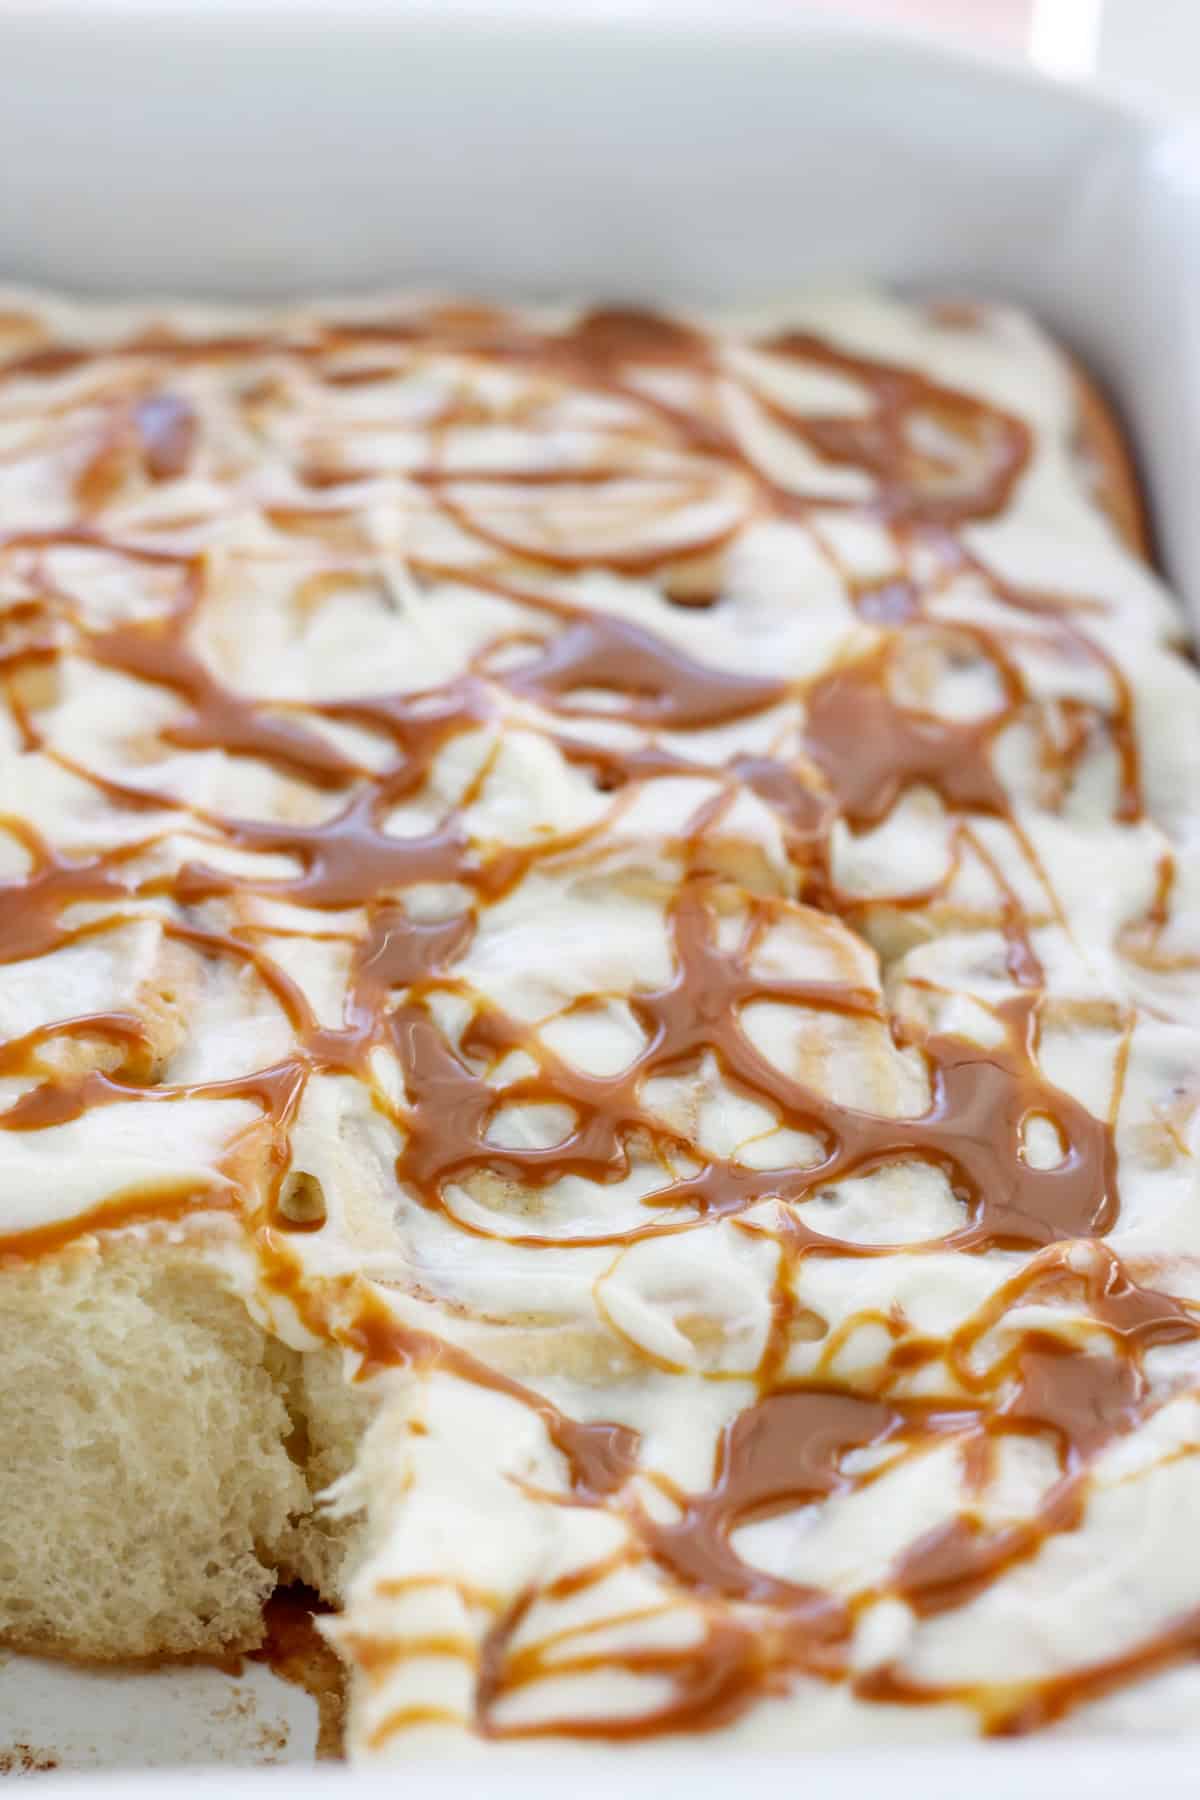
<point x="161" y="1457"/>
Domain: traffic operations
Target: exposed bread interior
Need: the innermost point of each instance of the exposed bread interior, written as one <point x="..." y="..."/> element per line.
<point x="163" y="1459"/>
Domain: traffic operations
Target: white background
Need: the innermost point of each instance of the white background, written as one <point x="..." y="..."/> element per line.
<point x="1147" y="43"/>
<point x="1151" y="46"/>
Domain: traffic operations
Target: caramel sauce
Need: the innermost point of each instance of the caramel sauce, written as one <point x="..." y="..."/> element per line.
<point x="218" y="719"/>
<point x="936" y="459"/>
<point x="657" y="684"/>
<point x="870" y="749"/>
<point x="972" y="1132"/>
<point x="30" y="910"/>
<point x="600" y="1457"/>
<point x="136" y="1206"/>
<point x="913" y="483"/>
<point x="780" y="1453"/>
<point x="294" y="1649"/>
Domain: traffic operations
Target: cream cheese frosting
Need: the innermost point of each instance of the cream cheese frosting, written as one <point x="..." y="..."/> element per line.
<point x="648" y="865"/>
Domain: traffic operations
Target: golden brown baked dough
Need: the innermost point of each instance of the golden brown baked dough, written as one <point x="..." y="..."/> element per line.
<point x="1108" y="456"/>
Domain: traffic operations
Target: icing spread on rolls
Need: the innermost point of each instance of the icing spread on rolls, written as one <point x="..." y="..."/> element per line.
<point x="638" y="875"/>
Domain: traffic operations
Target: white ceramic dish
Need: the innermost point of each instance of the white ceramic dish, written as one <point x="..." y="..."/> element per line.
<point x="252" y="149"/>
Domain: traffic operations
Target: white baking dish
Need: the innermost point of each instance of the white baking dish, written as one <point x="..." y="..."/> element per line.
<point x="243" y="149"/>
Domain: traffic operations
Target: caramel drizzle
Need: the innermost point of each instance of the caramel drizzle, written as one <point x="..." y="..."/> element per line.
<point x="788" y="1447"/>
<point x="659" y="685"/>
<point x="972" y="1131"/>
<point x="219" y="718"/>
<point x="870" y="749"/>
<point x="30" y="910"/>
<point x="600" y="1457"/>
